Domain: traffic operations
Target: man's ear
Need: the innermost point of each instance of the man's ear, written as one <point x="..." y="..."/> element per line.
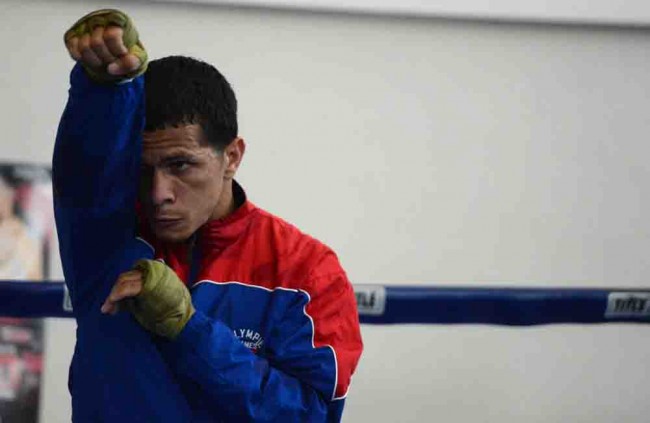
<point x="233" y="155"/>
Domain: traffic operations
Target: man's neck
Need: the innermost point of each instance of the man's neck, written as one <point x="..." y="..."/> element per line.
<point x="226" y="204"/>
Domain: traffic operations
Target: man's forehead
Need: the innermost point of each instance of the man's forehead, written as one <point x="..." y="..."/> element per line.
<point x="185" y="135"/>
<point x="172" y="143"/>
<point x="184" y="139"/>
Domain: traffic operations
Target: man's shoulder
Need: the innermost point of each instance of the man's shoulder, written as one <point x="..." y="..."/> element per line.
<point x="288" y="232"/>
<point x="295" y="247"/>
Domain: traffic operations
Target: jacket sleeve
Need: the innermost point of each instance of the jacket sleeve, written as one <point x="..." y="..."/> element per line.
<point x="95" y="168"/>
<point x="116" y="374"/>
<point x="303" y="371"/>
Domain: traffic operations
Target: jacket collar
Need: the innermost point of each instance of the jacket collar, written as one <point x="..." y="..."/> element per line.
<point x="220" y="233"/>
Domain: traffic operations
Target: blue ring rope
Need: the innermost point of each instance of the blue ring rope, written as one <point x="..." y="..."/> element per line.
<point x="415" y="305"/>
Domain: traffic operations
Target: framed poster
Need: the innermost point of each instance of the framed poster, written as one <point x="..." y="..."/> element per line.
<point x="26" y="231"/>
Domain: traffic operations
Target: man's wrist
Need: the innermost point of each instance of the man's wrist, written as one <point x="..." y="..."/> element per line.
<point x="195" y="327"/>
<point x="164" y="304"/>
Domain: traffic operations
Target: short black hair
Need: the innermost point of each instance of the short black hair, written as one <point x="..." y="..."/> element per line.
<point x="181" y="90"/>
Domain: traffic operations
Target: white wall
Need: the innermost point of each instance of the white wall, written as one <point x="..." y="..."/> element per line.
<point x="423" y="151"/>
<point x="609" y="12"/>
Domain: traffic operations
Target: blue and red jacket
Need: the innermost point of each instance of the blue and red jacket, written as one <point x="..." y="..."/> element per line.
<point x="276" y="333"/>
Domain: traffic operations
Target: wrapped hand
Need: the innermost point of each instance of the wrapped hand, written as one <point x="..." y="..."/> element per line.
<point x="107" y="45"/>
<point x="155" y="296"/>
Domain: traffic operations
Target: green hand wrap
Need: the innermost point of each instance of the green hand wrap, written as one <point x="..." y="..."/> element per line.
<point x="106" y="18"/>
<point x="164" y="306"/>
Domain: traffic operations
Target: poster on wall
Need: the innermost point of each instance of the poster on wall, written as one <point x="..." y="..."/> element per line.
<point x="26" y="231"/>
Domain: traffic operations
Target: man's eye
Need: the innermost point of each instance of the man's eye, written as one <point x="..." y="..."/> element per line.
<point x="179" y="166"/>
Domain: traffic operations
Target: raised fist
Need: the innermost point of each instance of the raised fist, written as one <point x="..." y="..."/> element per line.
<point x="106" y="43"/>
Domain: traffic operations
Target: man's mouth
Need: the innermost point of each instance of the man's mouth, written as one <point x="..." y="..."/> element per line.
<point x="166" y="222"/>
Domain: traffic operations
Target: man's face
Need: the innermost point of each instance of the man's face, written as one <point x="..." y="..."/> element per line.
<point x="182" y="181"/>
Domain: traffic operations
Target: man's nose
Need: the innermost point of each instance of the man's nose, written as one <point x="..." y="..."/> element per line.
<point x="162" y="188"/>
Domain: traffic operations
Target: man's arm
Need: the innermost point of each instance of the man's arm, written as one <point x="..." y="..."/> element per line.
<point x="95" y="165"/>
<point x="117" y="374"/>
<point x="97" y="152"/>
<point x="301" y="374"/>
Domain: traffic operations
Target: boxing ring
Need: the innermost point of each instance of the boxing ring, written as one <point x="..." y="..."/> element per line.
<point x="404" y="314"/>
<point x="413" y="305"/>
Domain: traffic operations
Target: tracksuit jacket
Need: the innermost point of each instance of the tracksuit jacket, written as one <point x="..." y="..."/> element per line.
<point x="276" y="333"/>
